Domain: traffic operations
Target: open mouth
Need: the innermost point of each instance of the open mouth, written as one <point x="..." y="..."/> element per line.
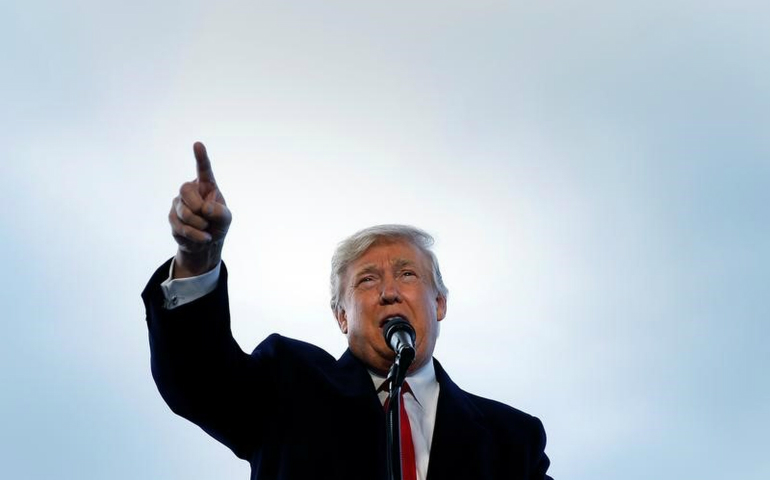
<point x="391" y="317"/>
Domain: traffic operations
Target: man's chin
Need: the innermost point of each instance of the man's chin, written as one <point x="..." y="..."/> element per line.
<point x="383" y="365"/>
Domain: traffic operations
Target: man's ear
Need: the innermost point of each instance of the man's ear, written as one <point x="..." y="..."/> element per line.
<point x="342" y="319"/>
<point x="440" y="307"/>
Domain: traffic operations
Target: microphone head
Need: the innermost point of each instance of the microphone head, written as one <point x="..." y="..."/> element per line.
<point x="394" y="325"/>
<point x="399" y="336"/>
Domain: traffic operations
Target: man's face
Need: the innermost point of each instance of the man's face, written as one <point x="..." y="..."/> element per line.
<point x="389" y="279"/>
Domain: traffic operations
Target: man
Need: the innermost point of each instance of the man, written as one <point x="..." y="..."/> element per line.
<point x="292" y="410"/>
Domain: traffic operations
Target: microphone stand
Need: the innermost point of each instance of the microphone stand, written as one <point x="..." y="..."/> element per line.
<point x="396" y="376"/>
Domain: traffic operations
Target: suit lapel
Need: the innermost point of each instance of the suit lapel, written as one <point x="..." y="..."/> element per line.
<point x="460" y="442"/>
<point x="352" y="379"/>
<point x="364" y="416"/>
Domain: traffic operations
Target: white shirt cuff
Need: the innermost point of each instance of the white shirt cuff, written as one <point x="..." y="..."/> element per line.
<point x="185" y="290"/>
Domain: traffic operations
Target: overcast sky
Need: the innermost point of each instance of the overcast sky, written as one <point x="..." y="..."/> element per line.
<point x="596" y="175"/>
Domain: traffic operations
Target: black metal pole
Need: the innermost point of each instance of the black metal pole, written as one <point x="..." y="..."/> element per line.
<point x="393" y="422"/>
<point x="394" y="433"/>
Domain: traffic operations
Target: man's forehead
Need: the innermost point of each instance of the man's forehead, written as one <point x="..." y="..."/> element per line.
<point x="394" y="262"/>
<point x="401" y="254"/>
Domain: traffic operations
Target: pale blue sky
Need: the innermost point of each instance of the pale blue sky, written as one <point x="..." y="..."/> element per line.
<point x="596" y="174"/>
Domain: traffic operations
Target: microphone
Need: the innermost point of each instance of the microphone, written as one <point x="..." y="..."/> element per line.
<point x="399" y="335"/>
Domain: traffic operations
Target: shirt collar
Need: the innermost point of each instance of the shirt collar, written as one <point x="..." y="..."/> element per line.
<point x="422" y="382"/>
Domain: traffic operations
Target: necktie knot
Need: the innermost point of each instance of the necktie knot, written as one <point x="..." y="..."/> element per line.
<point x="385" y="387"/>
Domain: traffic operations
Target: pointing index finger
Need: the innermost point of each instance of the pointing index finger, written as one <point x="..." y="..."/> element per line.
<point x="205" y="173"/>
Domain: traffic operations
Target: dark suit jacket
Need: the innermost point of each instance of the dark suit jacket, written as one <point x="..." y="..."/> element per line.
<point x="295" y="412"/>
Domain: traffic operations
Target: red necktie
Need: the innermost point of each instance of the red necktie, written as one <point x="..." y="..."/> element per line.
<point x="408" y="466"/>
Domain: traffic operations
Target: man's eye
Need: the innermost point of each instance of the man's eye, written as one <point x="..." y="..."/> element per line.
<point x="365" y="280"/>
<point x="408" y="273"/>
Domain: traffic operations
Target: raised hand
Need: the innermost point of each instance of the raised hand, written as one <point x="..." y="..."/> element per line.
<point x="199" y="220"/>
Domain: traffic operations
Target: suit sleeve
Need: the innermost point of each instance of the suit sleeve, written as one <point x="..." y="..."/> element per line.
<point x="201" y="372"/>
<point x="540" y="462"/>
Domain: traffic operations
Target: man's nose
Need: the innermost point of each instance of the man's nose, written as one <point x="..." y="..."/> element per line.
<point x="389" y="293"/>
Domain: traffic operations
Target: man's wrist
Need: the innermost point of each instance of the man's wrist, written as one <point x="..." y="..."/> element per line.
<point x="192" y="264"/>
<point x="179" y="291"/>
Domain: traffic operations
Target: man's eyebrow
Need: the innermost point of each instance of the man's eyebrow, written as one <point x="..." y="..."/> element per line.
<point x="370" y="268"/>
<point x="403" y="262"/>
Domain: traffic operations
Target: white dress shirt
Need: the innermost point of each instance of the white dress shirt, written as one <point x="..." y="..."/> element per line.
<point x="421" y="409"/>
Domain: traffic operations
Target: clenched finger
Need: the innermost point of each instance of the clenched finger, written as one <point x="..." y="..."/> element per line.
<point x="191" y="196"/>
<point x="187" y="216"/>
<point x="186" y="234"/>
